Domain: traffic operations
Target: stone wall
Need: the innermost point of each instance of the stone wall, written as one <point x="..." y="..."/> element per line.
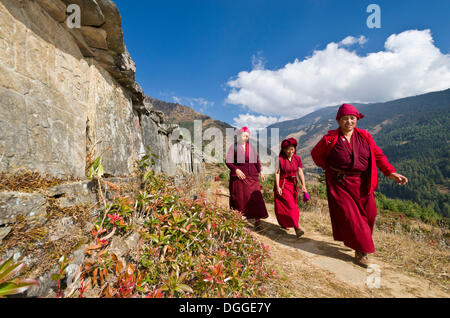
<point x="69" y="95"/>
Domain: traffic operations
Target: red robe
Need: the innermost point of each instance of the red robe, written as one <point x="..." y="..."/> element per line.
<point x="322" y="149"/>
<point x="245" y="195"/>
<point x="351" y="200"/>
<point x="286" y="209"/>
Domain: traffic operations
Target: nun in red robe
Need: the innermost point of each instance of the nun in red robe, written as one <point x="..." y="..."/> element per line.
<point x="286" y="186"/>
<point x="244" y="186"/>
<point x="350" y="159"/>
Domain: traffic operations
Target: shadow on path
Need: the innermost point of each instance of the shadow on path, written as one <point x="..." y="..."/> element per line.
<point x="322" y="248"/>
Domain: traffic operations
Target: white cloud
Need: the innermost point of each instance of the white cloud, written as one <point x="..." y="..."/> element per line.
<point x="199" y="103"/>
<point x="258" y="61"/>
<point x="410" y="64"/>
<point x="256" y="122"/>
<point x="350" y="40"/>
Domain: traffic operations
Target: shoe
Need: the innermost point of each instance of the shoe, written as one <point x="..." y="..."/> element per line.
<point x="361" y="259"/>
<point x="299" y="232"/>
<point x="258" y="226"/>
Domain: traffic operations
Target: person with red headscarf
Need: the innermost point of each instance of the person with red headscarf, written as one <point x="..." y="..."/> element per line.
<point x="286" y="188"/>
<point x="244" y="186"/>
<point x="350" y="159"/>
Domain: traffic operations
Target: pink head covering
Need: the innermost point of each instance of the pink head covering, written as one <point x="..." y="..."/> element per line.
<point x="243" y="130"/>
<point x="347" y="109"/>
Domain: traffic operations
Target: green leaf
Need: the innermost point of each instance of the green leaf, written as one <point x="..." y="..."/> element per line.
<point x="4" y="267"/>
<point x="141" y="289"/>
<point x="5" y="264"/>
<point x="146" y="175"/>
<point x="91" y="172"/>
<point x="18" y="287"/>
<point x="55" y="277"/>
<point x="9" y="272"/>
<point x="100" y="170"/>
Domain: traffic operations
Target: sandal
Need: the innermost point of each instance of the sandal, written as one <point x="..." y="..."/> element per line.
<point x="361" y="259"/>
<point x="299" y="232"/>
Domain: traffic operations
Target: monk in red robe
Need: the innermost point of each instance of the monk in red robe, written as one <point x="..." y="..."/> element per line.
<point x="350" y="159"/>
<point x="286" y="186"/>
<point x="244" y="186"/>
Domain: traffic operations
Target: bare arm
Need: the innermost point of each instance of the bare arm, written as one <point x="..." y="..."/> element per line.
<point x="277" y="182"/>
<point x="302" y="179"/>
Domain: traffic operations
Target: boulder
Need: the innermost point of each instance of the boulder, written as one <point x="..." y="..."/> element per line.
<point x="80" y="41"/>
<point x="112" y="25"/>
<point x="55" y="8"/>
<point x="91" y="14"/>
<point x="106" y="57"/>
<point x="29" y="205"/>
<point x="95" y="37"/>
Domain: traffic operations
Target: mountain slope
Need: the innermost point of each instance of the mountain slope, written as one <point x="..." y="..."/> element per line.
<point x="185" y="116"/>
<point x="412" y="132"/>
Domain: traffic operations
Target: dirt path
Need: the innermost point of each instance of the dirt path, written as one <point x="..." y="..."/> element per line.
<point x="317" y="266"/>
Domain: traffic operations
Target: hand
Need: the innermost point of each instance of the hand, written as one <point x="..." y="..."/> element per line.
<point x="401" y="180"/>
<point x="279" y="191"/>
<point x="240" y="174"/>
<point x="263" y="177"/>
<point x="304" y="189"/>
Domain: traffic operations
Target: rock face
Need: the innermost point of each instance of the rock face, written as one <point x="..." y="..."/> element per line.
<point x="67" y="93"/>
<point x="14" y="204"/>
<point x="91" y="14"/>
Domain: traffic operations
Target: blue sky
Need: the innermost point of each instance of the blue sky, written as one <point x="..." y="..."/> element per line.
<point x="193" y="51"/>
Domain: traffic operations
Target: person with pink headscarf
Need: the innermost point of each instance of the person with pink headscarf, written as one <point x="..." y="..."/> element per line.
<point x="244" y="186"/>
<point x="350" y="159"/>
<point x="286" y="186"/>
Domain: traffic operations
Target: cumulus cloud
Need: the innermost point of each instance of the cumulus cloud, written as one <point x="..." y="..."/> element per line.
<point x="350" y="40"/>
<point x="254" y="122"/>
<point x="410" y="64"/>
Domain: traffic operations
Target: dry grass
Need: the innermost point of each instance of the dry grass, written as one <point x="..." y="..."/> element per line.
<point x="413" y="246"/>
<point x="418" y="258"/>
<point x="29" y="181"/>
<point x="297" y="278"/>
<point x="32" y="240"/>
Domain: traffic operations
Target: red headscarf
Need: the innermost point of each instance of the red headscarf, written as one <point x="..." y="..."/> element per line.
<point x="243" y="130"/>
<point x="287" y="143"/>
<point x="347" y="109"/>
<point x="283" y="158"/>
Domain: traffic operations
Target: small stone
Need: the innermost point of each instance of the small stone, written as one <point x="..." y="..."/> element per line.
<point x="4" y="231"/>
<point x="71" y="272"/>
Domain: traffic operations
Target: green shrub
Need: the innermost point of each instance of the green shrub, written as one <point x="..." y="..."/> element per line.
<point x="209" y="245"/>
<point x="189" y="248"/>
<point x="408" y="208"/>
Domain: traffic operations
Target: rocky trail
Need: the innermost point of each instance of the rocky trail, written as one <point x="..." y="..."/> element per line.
<point x="317" y="266"/>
